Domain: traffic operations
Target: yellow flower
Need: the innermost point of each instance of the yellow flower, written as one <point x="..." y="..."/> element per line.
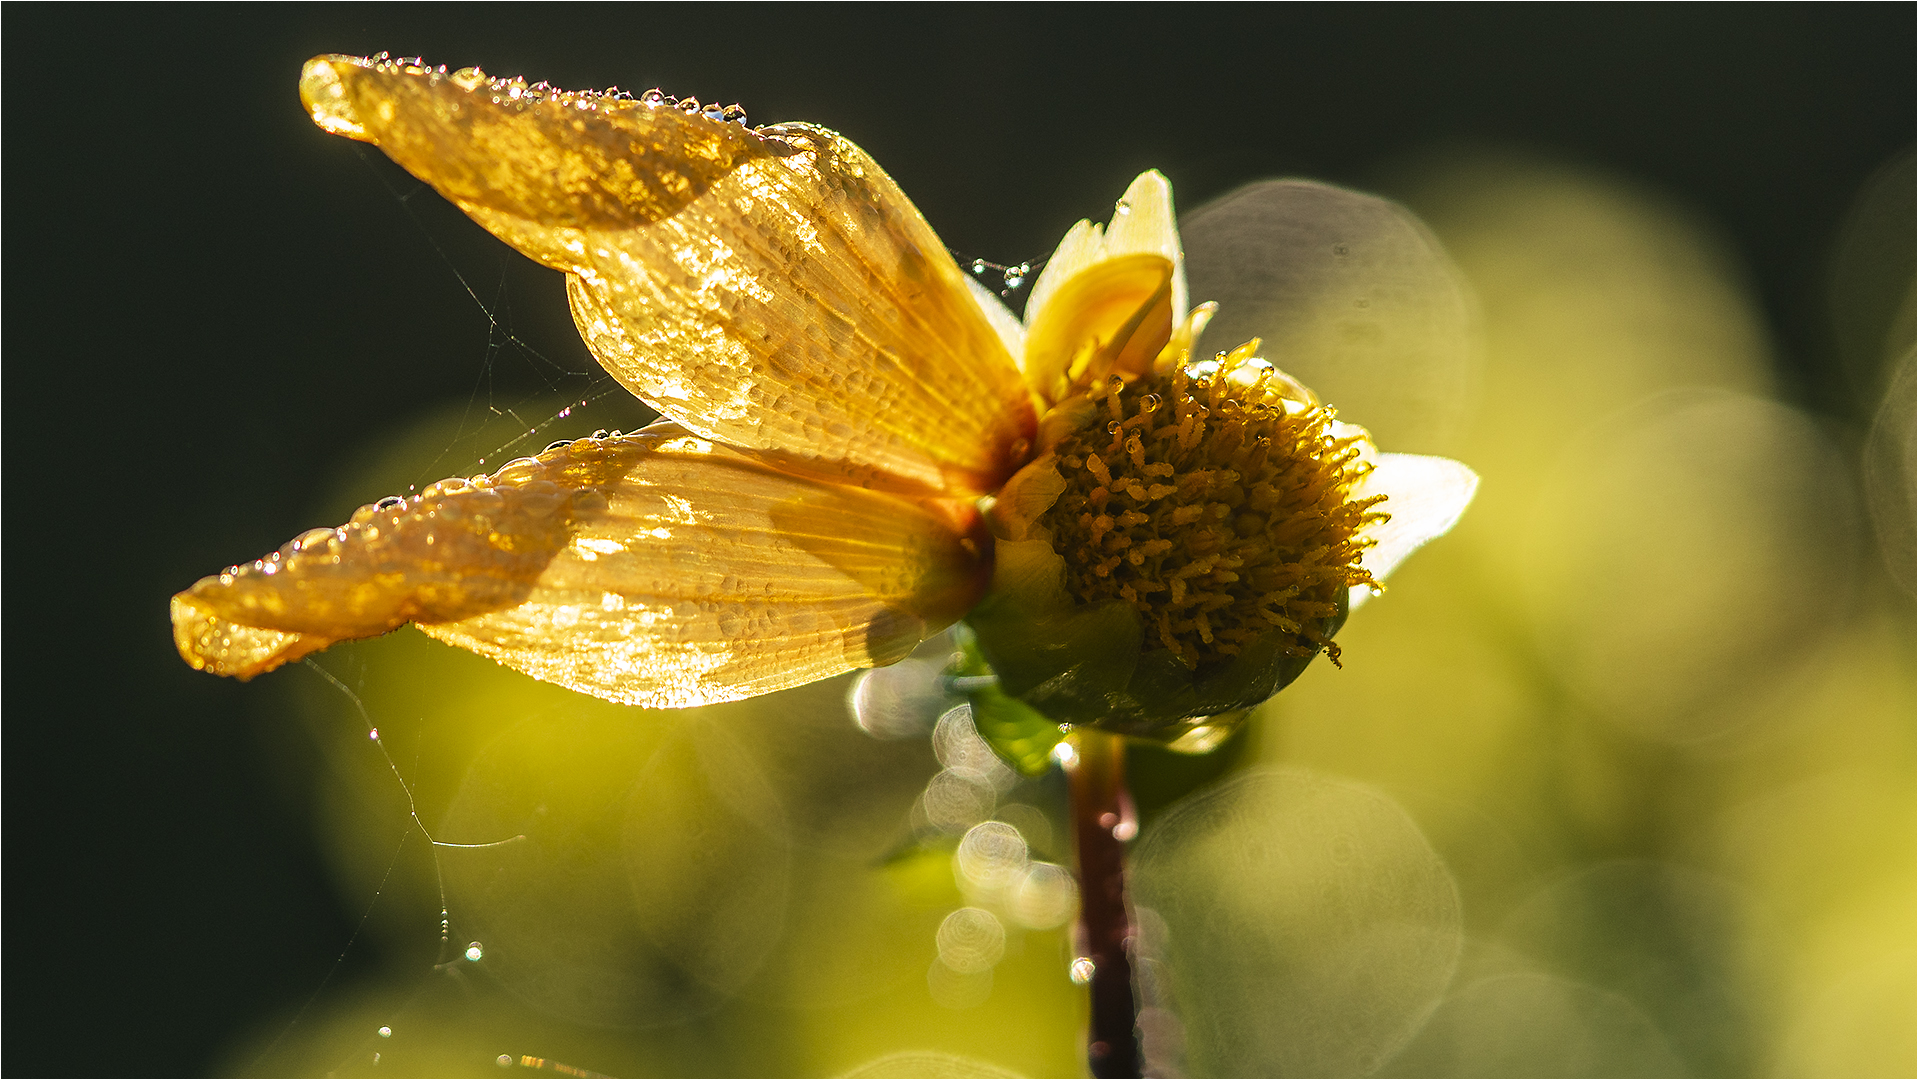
<point x="861" y="444"/>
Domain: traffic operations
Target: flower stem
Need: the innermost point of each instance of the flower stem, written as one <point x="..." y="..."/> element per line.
<point x="1102" y="822"/>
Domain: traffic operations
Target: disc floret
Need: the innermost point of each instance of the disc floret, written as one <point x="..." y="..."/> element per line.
<point x="1216" y="500"/>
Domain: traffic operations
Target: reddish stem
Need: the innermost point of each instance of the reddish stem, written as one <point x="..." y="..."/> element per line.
<point x="1102" y="822"/>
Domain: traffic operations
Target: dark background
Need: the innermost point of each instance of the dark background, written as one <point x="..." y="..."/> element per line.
<point x="211" y="303"/>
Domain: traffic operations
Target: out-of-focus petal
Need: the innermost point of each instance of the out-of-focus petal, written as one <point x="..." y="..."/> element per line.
<point x="771" y="289"/>
<point x="1424" y="496"/>
<point x="1351" y="294"/>
<point x="653" y="569"/>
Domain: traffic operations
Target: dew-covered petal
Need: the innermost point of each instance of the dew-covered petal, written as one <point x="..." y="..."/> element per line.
<point x="1351" y="294"/>
<point x="1425" y="497"/>
<point x="651" y="569"/>
<point x="768" y="288"/>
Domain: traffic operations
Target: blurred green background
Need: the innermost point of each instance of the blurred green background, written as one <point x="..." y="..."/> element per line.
<point x="1624" y="765"/>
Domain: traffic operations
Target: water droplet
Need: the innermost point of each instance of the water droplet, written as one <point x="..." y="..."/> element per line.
<point x="1081" y="970"/>
<point x="474" y="951"/>
<point x="602" y="433"/>
<point x="733" y="114"/>
<point x="1122" y="207"/>
<point x="468" y="78"/>
<point x="1113" y="427"/>
<point x="386" y="1033"/>
<point x="1151" y="403"/>
<point x="653" y="97"/>
<point x="1064" y="755"/>
<point x="373" y="734"/>
<point x="504" y="1061"/>
<point x="566" y="412"/>
<point x="389" y="502"/>
<point x="978" y="266"/>
<point x="557" y="443"/>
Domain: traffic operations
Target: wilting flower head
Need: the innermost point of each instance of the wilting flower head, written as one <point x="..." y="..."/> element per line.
<point x="861" y="444"/>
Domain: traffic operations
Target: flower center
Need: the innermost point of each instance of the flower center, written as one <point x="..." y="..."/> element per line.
<point x="1215" y="506"/>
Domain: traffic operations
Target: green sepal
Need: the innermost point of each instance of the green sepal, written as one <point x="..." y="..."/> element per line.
<point x="1085" y="664"/>
<point x="1022" y="736"/>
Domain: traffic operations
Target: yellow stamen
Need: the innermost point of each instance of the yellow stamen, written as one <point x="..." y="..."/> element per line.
<point x="1214" y="506"/>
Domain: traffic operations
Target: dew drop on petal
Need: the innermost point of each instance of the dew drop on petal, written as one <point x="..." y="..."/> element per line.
<point x="1081" y="970"/>
<point x="386" y="1033"/>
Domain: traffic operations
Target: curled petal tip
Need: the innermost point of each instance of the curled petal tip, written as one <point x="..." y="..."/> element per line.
<point x="213" y="644"/>
<point x="323" y="92"/>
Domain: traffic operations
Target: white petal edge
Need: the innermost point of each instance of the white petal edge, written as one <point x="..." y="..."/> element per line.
<point x="1425" y="496"/>
<point x="1012" y="332"/>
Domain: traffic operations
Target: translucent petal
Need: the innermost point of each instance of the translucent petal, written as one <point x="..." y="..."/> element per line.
<point x="652" y="569"/>
<point x="1351" y="294"/>
<point x="1425" y="497"/>
<point x="771" y="289"/>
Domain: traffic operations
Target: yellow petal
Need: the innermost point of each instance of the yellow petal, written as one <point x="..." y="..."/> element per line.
<point x="771" y="289"/>
<point x="1143" y="223"/>
<point x="652" y="569"/>
<point x="1112" y="318"/>
<point x="1109" y="298"/>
